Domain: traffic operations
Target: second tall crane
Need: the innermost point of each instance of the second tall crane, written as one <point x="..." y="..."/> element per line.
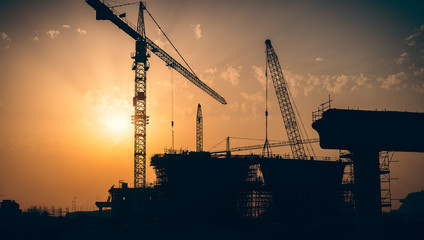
<point x="286" y="108"/>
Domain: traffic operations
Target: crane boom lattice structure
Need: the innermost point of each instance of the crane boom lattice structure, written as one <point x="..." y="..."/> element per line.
<point x="199" y="129"/>
<point x="140" y="66"/>
<point x="182" y="70"/>
<point x="260" y="146"/>
<point x="286" y="108"/>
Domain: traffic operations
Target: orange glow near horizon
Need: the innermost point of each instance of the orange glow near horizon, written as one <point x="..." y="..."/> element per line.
<point x="66" y="85"/>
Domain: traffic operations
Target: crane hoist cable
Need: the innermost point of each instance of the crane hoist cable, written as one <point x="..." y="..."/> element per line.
<point x="122" y="4"/>
<point x="171" y="43"/>
<point x="303" y="128"/>
<point x="164" y="34"/>
<point x="217" y="144"/>
<point x="266" y="149"/>
<point x="172" y="106"/>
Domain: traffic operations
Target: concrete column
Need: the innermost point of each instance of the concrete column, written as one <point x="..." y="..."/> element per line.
<point x="367" y="193"/>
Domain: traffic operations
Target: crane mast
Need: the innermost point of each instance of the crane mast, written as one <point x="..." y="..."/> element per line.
<point x="140" y="66"/>
<point x="286" y="108"/>
<point x="199" y="129"/>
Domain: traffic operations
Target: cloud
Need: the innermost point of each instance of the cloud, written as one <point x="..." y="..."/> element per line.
<point x="410" y="40"/>
<point x="232" y="74"/>
<point x="337" y="83"/>
<point x="304" y="85"/>
<point x="4" y="41"/>
<point x="234" y="106"/>
<point x="296" y="83"/>
<point x="360" y="81"/>
<point x="208" y="79"/>
<point x="411" y="44"/>
<point x="342" y="82"/>
<point x="197" y="31"/>
<point x="259" y="74"/>
<point x="414" y="35"/>
<point x="418" y="88"/>
<point x="409" y="37"/>
<point x="251" y="104"/>
<point x="318" y="59"/>
<point x="53" y="33"/>
<point x="104" y="102"/>
<point x="211" y="70"/>
<point x="256" y="97"/>
<point x="393" y="81"/>
<point x="419" y="72"/>
<point x="403" y="54"/>
<point x="35" y="38"/>
<point x="160" y="43"/>
<point x="3" y="35"/>
<point x="66" y="26"/>
<point x="402" y="58"/>
<point x="81" y="31"/>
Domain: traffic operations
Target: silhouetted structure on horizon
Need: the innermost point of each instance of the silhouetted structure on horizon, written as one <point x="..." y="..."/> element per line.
<point x="9" y="208"/>
<point x="365" y="134"/>
<point x="199" y="188"/>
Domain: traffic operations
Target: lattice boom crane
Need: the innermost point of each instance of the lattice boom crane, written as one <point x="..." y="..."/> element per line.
<point x="286" y="108"/>
<point x="141" y="65"/>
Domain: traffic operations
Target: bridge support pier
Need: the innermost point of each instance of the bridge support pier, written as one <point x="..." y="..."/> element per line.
<point x="367" y="193"/>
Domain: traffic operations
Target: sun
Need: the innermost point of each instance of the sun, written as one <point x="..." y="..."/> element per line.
<point x="116" y="123"/>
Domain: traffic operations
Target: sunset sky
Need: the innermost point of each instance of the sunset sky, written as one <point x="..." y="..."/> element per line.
<point x="66" y="83"/>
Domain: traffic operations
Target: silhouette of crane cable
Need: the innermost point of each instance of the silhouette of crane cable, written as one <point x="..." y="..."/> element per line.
<point x="169" y="40"/>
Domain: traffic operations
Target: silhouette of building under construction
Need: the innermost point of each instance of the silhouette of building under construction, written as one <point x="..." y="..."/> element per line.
<point x="201" y="188"/>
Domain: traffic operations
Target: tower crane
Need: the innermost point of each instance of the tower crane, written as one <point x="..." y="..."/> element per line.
<point x="199" y="129"/>
<point x="286" y="108"/>
<point x="143" y="47"/>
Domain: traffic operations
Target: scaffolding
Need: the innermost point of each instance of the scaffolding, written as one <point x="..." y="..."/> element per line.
<point x="316" y="115"/>
<point x="254" y="198"/>
<point x="347" y="192"/>
<point x="198" y="187"/>
<point x="385" y="180"/>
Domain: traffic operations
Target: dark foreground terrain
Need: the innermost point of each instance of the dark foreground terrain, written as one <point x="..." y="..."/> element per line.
<point x="92" y="225"/>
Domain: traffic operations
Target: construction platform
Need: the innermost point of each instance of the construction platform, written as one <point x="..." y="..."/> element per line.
<point x="379" y="130"/>
<point x="200" y="188"/>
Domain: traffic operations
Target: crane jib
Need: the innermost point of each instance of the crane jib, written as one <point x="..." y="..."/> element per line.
<point x="103" y="12"/>
<point x="182" y="70"/>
